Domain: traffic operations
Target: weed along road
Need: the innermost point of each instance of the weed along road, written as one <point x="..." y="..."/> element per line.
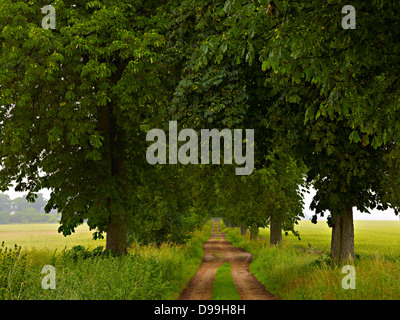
<point x="218" y="250"/>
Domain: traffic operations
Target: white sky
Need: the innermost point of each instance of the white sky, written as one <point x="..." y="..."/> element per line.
<point x="12" y="194"/>
<point x="357" y="215"/>
<point x="375" y="214"/>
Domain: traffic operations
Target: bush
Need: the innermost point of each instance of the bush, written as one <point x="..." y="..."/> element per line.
<point x="81" y="253"/>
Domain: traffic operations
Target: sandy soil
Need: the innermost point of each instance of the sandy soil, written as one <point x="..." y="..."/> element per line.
<point x="218" y="250"/>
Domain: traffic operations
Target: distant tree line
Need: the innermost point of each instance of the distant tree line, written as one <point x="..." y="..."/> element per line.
<point x="19" y="210"/>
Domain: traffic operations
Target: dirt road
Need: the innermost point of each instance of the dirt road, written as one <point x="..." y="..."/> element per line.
<point x="218" y="250"/>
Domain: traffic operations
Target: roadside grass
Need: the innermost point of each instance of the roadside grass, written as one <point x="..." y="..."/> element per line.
<point x="147" y="272"/>
<point x="301" y="270"/>
<point x="179" y="262"/>
<point x="224" y="288"/>
<point x="371" y="239"/>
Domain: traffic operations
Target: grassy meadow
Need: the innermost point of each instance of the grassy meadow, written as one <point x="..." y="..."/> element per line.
<point x="46" y="237"/>
<point x="146" y="273"/>
<point x="301" y="269"/>
<point x="371" y="238"/>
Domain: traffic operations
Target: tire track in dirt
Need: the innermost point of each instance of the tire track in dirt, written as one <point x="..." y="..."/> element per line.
<point x="216" y="252"/>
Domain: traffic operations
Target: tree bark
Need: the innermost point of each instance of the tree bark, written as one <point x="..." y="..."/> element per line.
<point x="114" y="157"/>
<point x="342" y="242"/>
<point x="116" y="234"/>
<point x="336" y="238"/>
<point x="275" y="232"/>
<point x="253" y="232"/>
<point x="243" y="230"/>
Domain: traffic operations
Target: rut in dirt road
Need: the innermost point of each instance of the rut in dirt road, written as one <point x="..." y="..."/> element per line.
<point x="216" y="252"/>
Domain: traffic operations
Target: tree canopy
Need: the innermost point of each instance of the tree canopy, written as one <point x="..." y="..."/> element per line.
<point x="323" y="100"/>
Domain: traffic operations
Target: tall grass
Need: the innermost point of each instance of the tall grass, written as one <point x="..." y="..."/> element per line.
<point x="147" y="272"/>
<point x="179" y="262"/>
<point x="302" y="270"/>
<point x="128" y="277"/>
<point x="376" y="279"/>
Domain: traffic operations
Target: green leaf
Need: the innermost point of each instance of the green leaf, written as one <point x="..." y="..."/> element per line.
<point x="354" y="137"/>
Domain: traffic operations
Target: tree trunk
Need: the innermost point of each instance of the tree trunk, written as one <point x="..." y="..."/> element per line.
<point x="342" y="242"/>
<point x="243" y="230"/>
<point x="336" y="238"/>
<point x="116" y="234"/>
<point x="253" y="232"/>
<point x="114" y="156"/>
<point x="275" y="232"/>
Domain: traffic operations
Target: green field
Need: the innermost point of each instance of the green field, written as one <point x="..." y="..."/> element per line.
<point x="297" y="270"/>
<point x="300" y="270"/>
<point x="371" y="238"/>
<point x="46" y="237"/>
<point x="145" y="273"/>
